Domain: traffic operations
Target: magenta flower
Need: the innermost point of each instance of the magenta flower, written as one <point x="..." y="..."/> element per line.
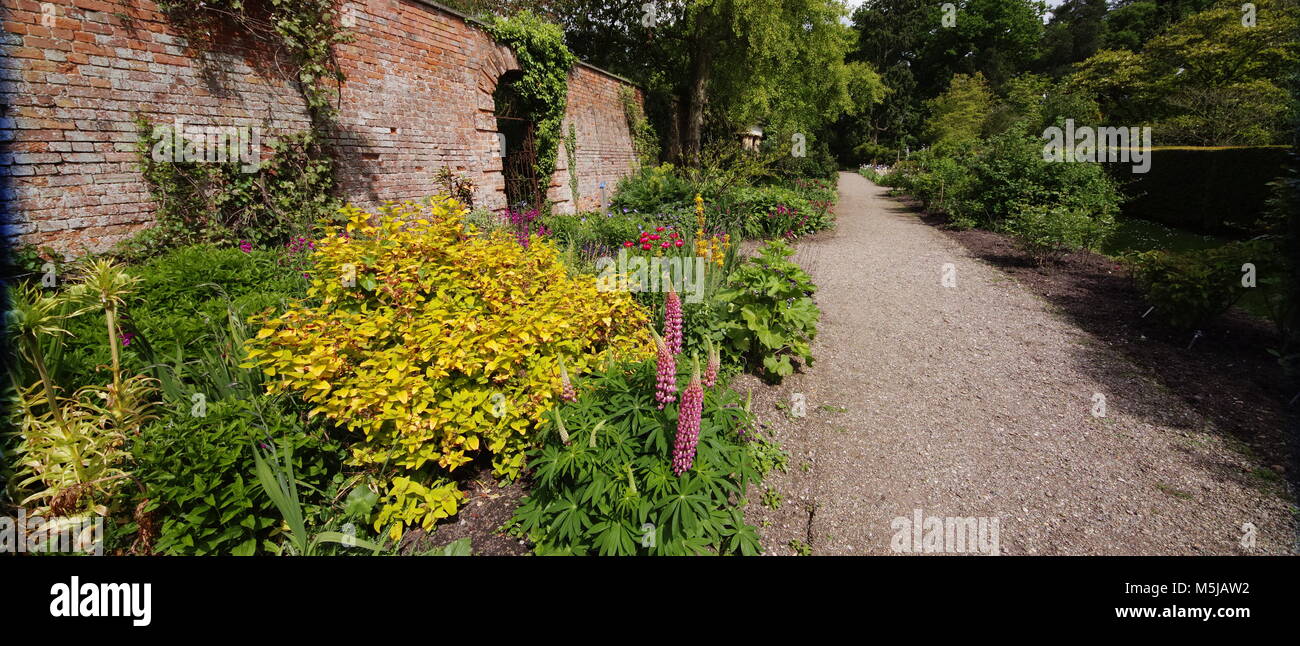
<point x="673" y="321"/>
<point x="688" y="424"/>
<point x="126" y="338"/>
<point x="666" y="377"/>
<point x="245" y="246"/>
<point x="714" y="363"/>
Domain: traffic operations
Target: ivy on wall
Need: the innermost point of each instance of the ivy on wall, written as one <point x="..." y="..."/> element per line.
<point x="275" y="199"/>
<point x="644" y="140"/>
<point x="571" y="153"/>
<point x="544" y="61"/>
<point x="203" y="200"/>
<point x="306" y="30"/>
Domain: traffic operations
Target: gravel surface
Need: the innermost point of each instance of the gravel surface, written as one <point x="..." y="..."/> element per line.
<point x="978" y="401"/>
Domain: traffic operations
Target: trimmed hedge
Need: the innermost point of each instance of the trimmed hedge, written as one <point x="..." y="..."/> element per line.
<point x="1208" y="190"/>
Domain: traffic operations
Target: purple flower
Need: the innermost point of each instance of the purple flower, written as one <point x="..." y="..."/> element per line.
<point x="126" y="338"/>
<point x="673" y="322"/>
<point x="688" y="425"/>
<point x="244" y="246"/>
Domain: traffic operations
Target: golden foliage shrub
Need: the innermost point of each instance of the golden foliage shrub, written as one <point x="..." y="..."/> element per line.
<point x="435" y="342"/>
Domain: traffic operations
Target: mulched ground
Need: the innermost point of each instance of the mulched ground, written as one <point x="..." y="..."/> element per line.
<point x="1226" y="375"/>
<point x="488" y="506"/>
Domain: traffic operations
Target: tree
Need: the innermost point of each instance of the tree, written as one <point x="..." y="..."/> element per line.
<point x="1207" y="79"/>
<point x="958" y="115"/>
<point x="1076" y="31"/>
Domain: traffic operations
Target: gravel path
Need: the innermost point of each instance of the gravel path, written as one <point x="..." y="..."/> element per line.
<point x="977" y="401"/>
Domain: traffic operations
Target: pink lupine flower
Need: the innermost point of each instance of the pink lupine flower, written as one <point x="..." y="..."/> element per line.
<point x="666" y="377"/>
<point x="567" y="391"/>
<point x="673" y="321"/>
<point x="714" y="362"/>
<point x="688" y="424"/>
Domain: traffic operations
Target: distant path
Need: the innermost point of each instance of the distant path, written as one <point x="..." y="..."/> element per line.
<point x="976" y="401"/>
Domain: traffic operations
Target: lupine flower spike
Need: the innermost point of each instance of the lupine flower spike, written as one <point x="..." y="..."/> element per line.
<point x="666" y="379"/>
<point x="673" y="320"/>
<point x="688" y="423"/>
<point x="714" y="363"/>
<point x="559" y="424"/>
<point x="567" y="392"/>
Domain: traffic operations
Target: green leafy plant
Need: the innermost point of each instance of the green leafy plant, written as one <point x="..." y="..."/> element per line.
<point x="198" y="472"/>
<point x="1191" y="289"/>
<point x="771" y="318"/>
<point x="608" y="487"/>
<point x="545" y="61"/>
<point x="1048" y="233"/>
<point x="652" y="189"/>
<point x="275" y="475"/>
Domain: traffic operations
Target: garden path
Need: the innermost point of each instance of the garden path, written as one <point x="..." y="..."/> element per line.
<point x="977" y="400"/>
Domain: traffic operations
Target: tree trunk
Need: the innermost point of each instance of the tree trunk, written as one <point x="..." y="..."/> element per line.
<point x="674" y="147"/>
<point x="701" y="68"/>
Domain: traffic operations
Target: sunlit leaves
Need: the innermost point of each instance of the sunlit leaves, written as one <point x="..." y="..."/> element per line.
<point x="441" y="322"/>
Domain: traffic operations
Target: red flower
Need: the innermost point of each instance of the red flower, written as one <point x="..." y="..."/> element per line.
<point x="627" y="244"/>
<point x="646" y="246"/>
<point x="664" y="245"/>
<point x="654" y="237"/>
<point x="679" y="243"/>
<point x="659" y="229"/>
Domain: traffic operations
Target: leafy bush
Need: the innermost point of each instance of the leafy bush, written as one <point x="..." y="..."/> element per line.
<point x="182" y="292"/>
<point x="199" y="474"/>
<point x="179" y="296"/>
<point x="1009" y="174"/>
<point x="1190" y="289"/>
<point x="651" y="190"/>
<point x="986" y="183"/>
<point x="773" y="211"/>
<point x="434" y="345"/>
<point x="771" y="318"/>
<point x="1048" y="233"/>
<point x="610" y="489"/>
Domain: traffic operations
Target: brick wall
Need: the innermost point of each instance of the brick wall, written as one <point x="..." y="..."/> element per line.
<point x="418" y="97"/>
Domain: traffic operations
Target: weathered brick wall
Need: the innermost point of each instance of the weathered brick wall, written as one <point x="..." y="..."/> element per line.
<point x="418" y="97"/>
<point x="604" y="143"/>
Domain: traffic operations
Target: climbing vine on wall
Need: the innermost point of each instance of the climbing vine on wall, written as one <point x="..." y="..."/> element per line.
<point x="571" y="153"/>
<point x="545" y="62"/>
<point x="206" y="199"/>
<point x="644" y="139"/>
<point x="307" y="30"/>
<point x="272" y="199"/>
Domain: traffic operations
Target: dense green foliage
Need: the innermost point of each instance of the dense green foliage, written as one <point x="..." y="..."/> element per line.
<point x="199" y="475"/>
<point x="544" y="87"/>
<point x="1192" y="288"/>
<point x="610" y="489"/>
<point x="771" y="318"/>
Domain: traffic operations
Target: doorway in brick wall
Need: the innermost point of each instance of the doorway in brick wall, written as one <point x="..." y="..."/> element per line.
<point x="519" y="156"/>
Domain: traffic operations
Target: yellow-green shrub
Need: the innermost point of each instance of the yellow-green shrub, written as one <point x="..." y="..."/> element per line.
<point x="421" y="323"/>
